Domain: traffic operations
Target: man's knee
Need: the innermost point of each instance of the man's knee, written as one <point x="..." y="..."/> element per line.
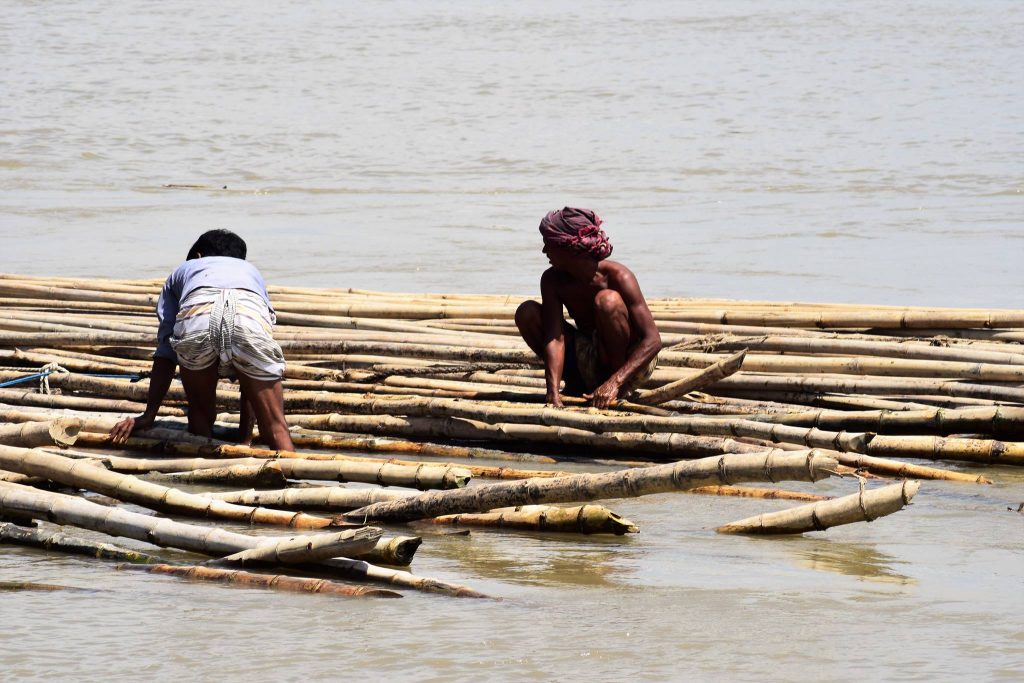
<point x="528" y="314"/>
<point x="609" y="302"/>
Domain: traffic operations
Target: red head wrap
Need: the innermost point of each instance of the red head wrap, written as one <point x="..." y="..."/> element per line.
<point x="577" y="229"/>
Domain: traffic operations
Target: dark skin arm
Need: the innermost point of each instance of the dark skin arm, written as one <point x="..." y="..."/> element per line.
<point x="159" y="382"/>
<point x="554" y="339"/>
<point x="647" y="338"/>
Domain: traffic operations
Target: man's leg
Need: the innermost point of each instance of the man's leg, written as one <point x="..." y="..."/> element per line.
<point x="528" y="320"/>
<point x="267" y="401"/>
<point x="531" y="328"/>
<point x="612" y="321"/>
<point x="201" y="391"/>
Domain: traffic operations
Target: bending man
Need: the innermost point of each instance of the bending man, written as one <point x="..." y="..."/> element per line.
<point x="215" y="321"/>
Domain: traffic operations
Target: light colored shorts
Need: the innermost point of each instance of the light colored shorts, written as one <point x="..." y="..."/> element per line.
<point x="230" y="327"/>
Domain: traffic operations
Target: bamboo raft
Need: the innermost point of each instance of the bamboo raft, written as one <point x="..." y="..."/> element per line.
<point x="434" y="407"/>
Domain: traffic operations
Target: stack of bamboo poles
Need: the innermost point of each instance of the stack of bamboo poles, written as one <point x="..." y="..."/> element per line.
<point x="425" y="392"/>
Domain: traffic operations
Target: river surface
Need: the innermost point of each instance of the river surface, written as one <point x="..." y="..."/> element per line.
<point x="859" y="152"/>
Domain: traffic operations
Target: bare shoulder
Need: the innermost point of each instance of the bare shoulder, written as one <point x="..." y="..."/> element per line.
<point x="618" y="275"/>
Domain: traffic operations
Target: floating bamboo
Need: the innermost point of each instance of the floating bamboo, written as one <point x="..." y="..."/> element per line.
<point x="583" y="519"/>
<point x="863" y="506"/>
<point x="73" y="511"/>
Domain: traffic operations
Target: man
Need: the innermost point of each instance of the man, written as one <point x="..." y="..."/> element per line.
<point x="215" y="321"/>
<point x="614" y="345"/>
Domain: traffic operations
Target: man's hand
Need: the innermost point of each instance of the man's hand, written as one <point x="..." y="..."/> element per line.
<point x="123" y="429"/>
<point x="554" y="400"/>
<point x="604" y="395"/>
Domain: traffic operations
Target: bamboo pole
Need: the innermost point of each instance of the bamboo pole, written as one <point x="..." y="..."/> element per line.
<point x="57" y="540"/>
<point x="700" y="380"/>
<point x="266" y="475"/>
<point x="61" y="431"/>
<point x="583" y="519"/>
<point x="901" y="348"/>
<point x="864" y="506"/>
<point x="1002" y="420"/>
<point x="386" y="474"/>
<point x="332" y="498"/>
<point x="755" y="492"/>
<point x="304" y="549"/>
<point x="208" y="450"/>
<point x="725" y="469"/>
<point x="83" y="474"/>
<point x="73" y="511"/>
<point x="273" y="581"/>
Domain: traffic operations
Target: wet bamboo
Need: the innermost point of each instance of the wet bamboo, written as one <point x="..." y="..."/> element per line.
<point x="33" y="586"/>
<point x="69" y="510"/>
<point x="393" y="551"/>
<point x="756" y="492"/>
<point x="57" y="540"/>
<point x="304" y="549"/>
<point x="583" y="519"/>
<point x="61" y="431"/>
<point x="83" y="474"/>
<point x="267" y="474"/>
<point x="724" y="469"/>
<point x="864" y="506"/>
<point x="273" y="581"/>
<point x="696" y="382"/>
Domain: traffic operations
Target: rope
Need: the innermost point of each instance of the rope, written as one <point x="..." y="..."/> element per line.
<point x="47" y="370"/>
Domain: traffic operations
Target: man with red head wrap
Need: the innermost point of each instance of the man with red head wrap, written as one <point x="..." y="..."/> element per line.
<point x="614" y="345"/>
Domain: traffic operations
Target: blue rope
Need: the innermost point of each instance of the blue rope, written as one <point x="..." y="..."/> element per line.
<point x="134" y="377"/>
<point x="28" y="378"/>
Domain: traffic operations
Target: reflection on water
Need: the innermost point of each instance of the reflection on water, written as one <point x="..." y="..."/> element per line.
<point x="851" y="559"/>
<point x="537" y="559"/>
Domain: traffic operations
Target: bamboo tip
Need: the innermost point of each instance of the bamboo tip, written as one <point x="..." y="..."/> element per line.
<point x="64" y="430"/>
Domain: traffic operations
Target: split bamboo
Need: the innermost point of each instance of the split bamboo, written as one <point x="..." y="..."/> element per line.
<point x="705" y="378"/>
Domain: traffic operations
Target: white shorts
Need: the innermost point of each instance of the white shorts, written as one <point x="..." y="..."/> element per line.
<point x="231" y="327"/>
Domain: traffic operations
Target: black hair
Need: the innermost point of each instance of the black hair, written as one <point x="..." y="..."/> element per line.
<point x="218" y="243"/>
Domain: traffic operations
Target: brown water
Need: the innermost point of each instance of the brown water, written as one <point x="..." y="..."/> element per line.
<point x="862" y="152"/>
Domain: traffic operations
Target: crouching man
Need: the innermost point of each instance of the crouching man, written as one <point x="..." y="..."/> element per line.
<point x="613" y="346"/>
